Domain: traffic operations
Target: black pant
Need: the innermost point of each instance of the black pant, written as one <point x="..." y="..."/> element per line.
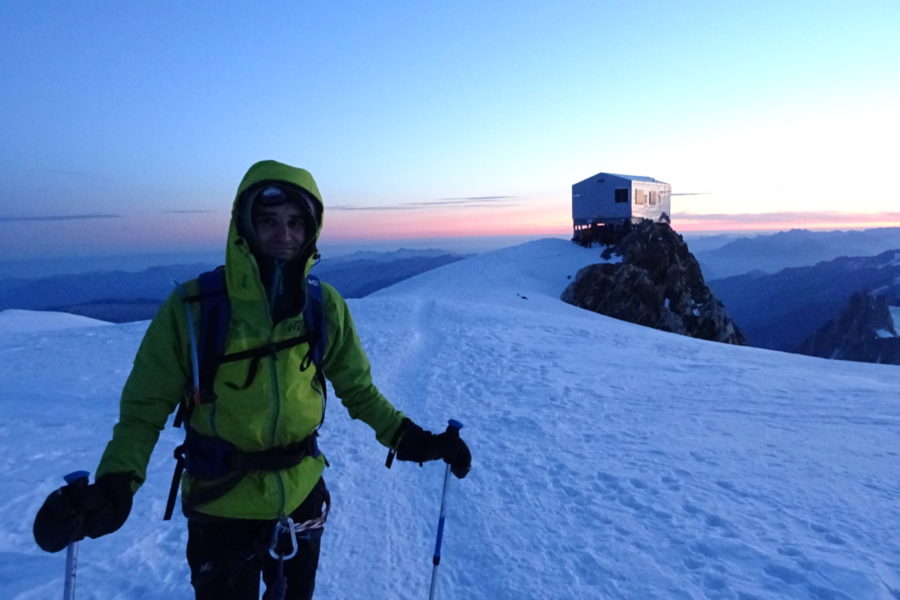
<point x="226" y="556"/>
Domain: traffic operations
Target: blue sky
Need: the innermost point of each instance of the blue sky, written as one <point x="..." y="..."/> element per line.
<point x="133" y="111"/>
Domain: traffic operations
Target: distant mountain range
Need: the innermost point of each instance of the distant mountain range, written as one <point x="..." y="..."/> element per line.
<point x="122" y="296"/>
<point x="782" y="288"/>
<point x="796" y="248"/>
<point x="781" y="310"/>
<point x="116" y="296"/>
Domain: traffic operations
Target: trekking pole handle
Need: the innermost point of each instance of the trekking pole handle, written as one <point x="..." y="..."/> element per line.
<point x="453" y="427"/>
<point x="73" y="479"/>
<point x="77" y="478"/>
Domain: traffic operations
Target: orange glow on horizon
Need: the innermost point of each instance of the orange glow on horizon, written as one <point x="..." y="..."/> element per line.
<point x="402" y="224"/>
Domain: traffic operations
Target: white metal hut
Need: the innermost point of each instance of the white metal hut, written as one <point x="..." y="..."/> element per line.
<point x="615" y="200"/>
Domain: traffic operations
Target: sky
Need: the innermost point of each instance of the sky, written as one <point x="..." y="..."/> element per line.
<point x="127" y="127"/>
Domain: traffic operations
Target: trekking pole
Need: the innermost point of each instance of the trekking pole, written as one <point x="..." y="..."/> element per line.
<point x="453" y="428"/>
<point x="76" y="479"/>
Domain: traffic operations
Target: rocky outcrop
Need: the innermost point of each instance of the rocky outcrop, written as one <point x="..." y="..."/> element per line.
<point x="657" y="283"/>
<point x="864" y="332"/>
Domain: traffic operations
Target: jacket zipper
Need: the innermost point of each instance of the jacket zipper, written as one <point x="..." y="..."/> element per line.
<point x="276" y="413"/>
<point x="212" y="420"/>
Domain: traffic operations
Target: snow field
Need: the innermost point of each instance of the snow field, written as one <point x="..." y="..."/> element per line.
<point x="669" y="479"/>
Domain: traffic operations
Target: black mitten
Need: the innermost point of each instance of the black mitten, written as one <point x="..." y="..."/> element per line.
<point x="73" y="512"/>
<point x="419" y="445"/>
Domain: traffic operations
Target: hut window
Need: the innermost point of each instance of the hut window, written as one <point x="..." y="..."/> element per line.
<point x="653" y="197"/>
<point x="622" y="195"/>
<point x="640" y="197"/>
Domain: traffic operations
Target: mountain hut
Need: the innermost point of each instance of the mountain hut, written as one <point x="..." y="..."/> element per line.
<point x="606" y="204"/>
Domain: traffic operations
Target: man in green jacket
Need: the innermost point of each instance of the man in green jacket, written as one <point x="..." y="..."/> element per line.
<point x="254" y="471"/>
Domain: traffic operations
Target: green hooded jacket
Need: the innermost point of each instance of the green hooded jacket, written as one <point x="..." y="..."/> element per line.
<point x="281" y="406"/>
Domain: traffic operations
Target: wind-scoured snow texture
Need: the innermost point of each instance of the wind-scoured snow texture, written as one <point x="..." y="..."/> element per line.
<point x="609" y="460"/>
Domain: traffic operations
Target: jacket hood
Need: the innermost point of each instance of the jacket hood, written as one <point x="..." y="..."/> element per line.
<point x="270" y="172"/>
<point x="242" y="268"/>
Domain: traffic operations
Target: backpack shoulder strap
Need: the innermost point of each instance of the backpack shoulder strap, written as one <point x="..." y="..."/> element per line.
<point x="207" y="346"/>
<point x="317" y="326"/>
<point x="215" y="313"/>
<point x="314" y="317"/>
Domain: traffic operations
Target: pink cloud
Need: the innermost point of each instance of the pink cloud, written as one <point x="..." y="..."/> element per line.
<point x="499" y="220"/>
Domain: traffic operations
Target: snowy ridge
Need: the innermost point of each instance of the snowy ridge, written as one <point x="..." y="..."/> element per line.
<point x="537" y="270"/>
<point x="389" y="256"/>
<point x="610" y="460"/>
<point x="18" y="321"/>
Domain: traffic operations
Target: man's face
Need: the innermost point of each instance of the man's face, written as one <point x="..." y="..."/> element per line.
<point x="280" y="230"/>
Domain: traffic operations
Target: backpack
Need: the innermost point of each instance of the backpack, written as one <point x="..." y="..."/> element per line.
<point x="207" y="457"/>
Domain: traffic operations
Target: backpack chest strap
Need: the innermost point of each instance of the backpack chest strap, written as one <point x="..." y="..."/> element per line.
<point x="266" y="350"/>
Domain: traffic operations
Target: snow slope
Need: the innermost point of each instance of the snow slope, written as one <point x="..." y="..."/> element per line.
<point x="610" y="460"/>
<point x="19" y="321"/>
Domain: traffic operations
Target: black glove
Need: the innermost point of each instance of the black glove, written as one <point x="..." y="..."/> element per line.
<point x="73" y="512"/>
<point x="418" y="445"/>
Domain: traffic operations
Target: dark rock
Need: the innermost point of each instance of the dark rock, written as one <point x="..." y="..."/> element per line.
<point x="863" y="332"/>
<point x="658" y="283"/>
